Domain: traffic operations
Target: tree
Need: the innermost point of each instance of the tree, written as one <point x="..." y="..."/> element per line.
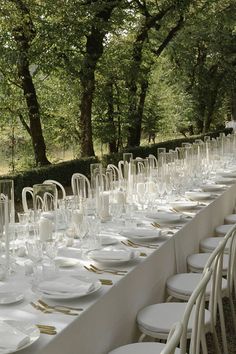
<point x="22" y="31"/>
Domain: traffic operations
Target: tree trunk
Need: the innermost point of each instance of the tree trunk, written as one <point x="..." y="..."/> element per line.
<point x="93" y="52"/>
<point x="34" y="114"/>
<point x="136" y="127"/>
<point x="110" y="103"/>
<point x="23" y="35"/>
<point x="139" y="77"/>
<point x="233" y="104"/>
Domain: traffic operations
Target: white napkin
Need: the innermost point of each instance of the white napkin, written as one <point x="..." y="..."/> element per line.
<point x="140" y="232"/>
<point x="164" y="216"/>
<point x="113" y="255"/>
<point x="12" y="338"/>
<point x="65" y="285"/>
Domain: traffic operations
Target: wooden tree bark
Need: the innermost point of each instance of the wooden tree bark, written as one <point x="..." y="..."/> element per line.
<point x="233" y="104"/>
<point x="23" y="35"/>
<point x="112" y="145"/>
<point x="137" y="83"/>
<point x="93" y="52"/>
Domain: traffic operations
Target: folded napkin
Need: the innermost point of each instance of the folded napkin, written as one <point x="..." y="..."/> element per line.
<point x="113" y="255"/>
<point x="140" y="232"/>
<point x="11" y="337"/>
<point x="65" y="285"/>
<point x="164" y="216"/>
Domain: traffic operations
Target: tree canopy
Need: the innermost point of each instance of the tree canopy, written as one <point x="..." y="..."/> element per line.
<point x="86" y="72"/>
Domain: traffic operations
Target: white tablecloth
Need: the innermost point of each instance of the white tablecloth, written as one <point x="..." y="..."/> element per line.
<point x="109" y="318"/>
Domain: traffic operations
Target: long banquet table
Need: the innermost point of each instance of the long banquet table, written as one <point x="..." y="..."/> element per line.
<point x="108" y="319"/>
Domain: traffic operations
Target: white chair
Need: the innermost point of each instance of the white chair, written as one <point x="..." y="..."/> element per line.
<point x="58" y="185"/>
<point x="230" y="219"/>
<point x="156" y="320"/>
<point x="210" y="243"/>
<point x="25" y="191"/>
<point x="76" y="185"/>
<point x="181" y="286"/>
<point x="116" y="172"/>
<point x="222" y="230"/>
<point x="155" y="348"/>
<point x="197" y="262"/>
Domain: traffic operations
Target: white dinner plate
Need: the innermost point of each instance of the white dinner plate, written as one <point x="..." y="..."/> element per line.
<point x="10" y="297"/>
<point x="69" y="295"/>
<point x="112" y="256"/>
<point x="26" y="328"/>
<point x="107" y="240"/>
<point x="213" y="187"/>
<point x="164" y="217"/>
<point x="65" y="262"/>
<point x="184" y="205"/>
<point x="141" y="234"/>
<point x="198" y="196"/>
<point x="225" y="180"/>
<point x="229" y="174"/>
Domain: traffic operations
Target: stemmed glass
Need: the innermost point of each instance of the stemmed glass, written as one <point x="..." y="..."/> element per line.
<point x="35" y="254"/>
<point x="4" y="237"/>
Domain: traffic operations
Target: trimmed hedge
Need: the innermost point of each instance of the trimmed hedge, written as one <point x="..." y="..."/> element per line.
<point x="62" y="172"/>
<point x="144" y="151"/>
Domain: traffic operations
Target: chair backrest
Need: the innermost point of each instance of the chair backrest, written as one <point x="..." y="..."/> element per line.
<point x="173" y="339"/>
<point x="116" y="172"/>
<point x="215" y="262"/>
<point x="58" y="185"/>
<point x="24" y="192"/>
<point x="197" y="298"/>
<point x="231" y="271"/>
<point x="76" y="185"/>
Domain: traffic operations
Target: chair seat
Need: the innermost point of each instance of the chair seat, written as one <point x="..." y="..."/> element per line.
<point x="159" y="318"/>
<point x="182" y="285"/>
<point x="141" y="348"/>
<point x="222" y="230"/>
<point x="210" y="243"/>
<point x="230" y="219"/>
<point x="196" y="262"/>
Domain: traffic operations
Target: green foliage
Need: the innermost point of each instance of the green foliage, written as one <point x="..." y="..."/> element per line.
<point x="190" y="85"/>
<point x="61" y="172"/>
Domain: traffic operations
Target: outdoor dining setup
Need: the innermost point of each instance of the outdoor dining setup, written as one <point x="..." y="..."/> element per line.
<point x="140" y="252"/>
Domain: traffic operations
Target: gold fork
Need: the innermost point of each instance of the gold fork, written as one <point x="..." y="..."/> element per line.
<point x="142" y="254"/>
<point x="155" y="224"/>
<point x="100" y="271"/>
<point x="103" y="281"/>
<point x="44" y="309"/>
<point x="115" y="271"/>
<point x="59" y="307"/>
<point x="45" y="329"/>
<point x="142" y="245"/>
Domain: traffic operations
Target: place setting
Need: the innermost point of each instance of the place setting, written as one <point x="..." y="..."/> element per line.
<point x="65" y="286"/>
<point x="110" y="256"/>
<point x="17" y="335"/>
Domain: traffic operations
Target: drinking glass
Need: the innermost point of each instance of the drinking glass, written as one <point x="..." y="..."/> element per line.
<point x="7" y="189"/>
<point x="4" y="237"/>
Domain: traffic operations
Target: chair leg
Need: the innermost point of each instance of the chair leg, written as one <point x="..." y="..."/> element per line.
<point x="141" y="338"/>
<point x="216" y="342"/>
<point x="169" y="298"/>
<point x="222" y="326"/>
<point x="203" y="343"/>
